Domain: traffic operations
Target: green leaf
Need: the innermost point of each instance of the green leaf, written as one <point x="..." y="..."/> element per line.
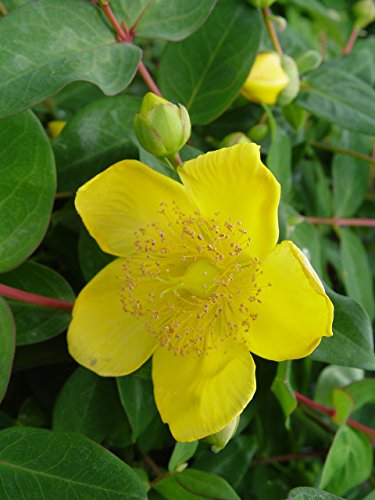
<point x="7" y="346"/>
<point x="181" y="453"/>
<point x="37" y="463"/>
<point x="91" y="258"/>
<point x="35" y="323"/>
<point x="356" y="270"/>
<point x="349" y="461"/>
<point x="343" y="404"/>
<point x="213" y="63"/>
<point x="306" y="237"/>
<point x="59" y="42"/>
<point x="99" y="135"/>
<point x="27" y="187"/>
<point x="332" y="377"/>
<point x="194" y="484"/>
<point x="88" y="404"/>
<point x="283" y="390"/>
<point x="233" y="462"/>
<point x="306" y="493"/>
<point x="352" y="341"/>
<point x="340" y="98"/>
<point x="137" y="398"/>
<point x="351" y="178"/>
<point x="279" y="158"/>
<point x="362" y="392"/>
<point x="166" y="19"/>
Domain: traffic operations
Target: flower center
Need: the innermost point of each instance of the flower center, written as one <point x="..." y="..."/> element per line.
<point x="200" y="279"/>
<point x="192" y="280"/>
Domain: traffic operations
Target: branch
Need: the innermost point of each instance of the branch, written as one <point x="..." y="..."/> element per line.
<point x="343" y="151"/>
<point x="33" y="298"/>
<point x="333" y="221"/>
<point x="351" y="41"/>
<point x="331" y="412"/>
<point x="267" y="16"/>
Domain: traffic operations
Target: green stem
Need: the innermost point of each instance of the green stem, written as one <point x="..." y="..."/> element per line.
<point x="343" y="151"/>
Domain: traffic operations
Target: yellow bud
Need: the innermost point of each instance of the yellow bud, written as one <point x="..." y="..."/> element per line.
<point x="266" y="79"/>
<point x="233" y="139"/>
<point x="55" y="127"/>
<point x="162" y="128"/>
<point x="219" y="440"/>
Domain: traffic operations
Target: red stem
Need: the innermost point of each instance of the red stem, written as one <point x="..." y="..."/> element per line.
<point x="351" y="41"/>
<point x="330" y="411"/>
<point x="148" y="79"/>
<point x="333" y="221"/>
<point x="267" y="15"/>
<point x="33" y="298"/>
<point x="125" y="36"/>
<point x="289" y="457"/>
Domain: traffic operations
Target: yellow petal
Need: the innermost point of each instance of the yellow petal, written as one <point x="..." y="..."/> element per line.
<point x="101" y="336"/>
<point x="122" y="199"/>
<point x="198" y="396"/>
<point x="295" y="312"/>
<point x="234" y="182"/>
<point x="266" y="80"/>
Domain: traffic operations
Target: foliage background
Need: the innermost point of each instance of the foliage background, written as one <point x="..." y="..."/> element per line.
<point x="66" y="431"/>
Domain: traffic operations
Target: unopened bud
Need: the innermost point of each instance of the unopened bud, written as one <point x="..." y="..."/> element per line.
<point x="233" y="139"/>
<point x="55" y="127"/>
<point x="219" y="440"/>
<point x="261" y="3"/>
<point x="292" y="88"/>
<point x="258" y="132"/>
<point x="364" y="13"/>
<point x="266" y="80"/>
<point x="308" y="61"/>
<point x="162" y="128"/>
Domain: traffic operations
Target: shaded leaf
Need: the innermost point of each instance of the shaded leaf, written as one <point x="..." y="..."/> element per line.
<point x="61" y="52"/>
<point x="37" y="463"/>
<point x="35" y="323"/>
<point x="7" y="345"/>
<point x="27" y="187"/>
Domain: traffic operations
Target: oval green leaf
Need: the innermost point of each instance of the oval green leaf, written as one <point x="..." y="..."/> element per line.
<point x="213" y="63"/>
<point x="99" y="135"/>
<point x="352" y="343"/>
<point x="27" y="188"/>
<point x="90" y="405"/>
<point x="340" y="98"/>
<point x="60" y="42"/>
<point x="37" y="463"/>
<point x="7" y="346"/>
<point x="35" y="323"/>
<point x="166" y="19"/>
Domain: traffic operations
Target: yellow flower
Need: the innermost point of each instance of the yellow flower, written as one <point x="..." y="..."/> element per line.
<point x="266" y="79"/>
<point x="200" y="281"/>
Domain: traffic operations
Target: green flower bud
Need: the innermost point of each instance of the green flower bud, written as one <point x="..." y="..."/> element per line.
<point x="258" y="132"/>
<point x="291" y="90"/>
<point x="261" y="3"/>
<point x="364" y="13"/>
<point x="308" y="61"/>
<point x="234" y="138"/>
<point x="162" y="128"/>
<point x="219" y="440"/>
